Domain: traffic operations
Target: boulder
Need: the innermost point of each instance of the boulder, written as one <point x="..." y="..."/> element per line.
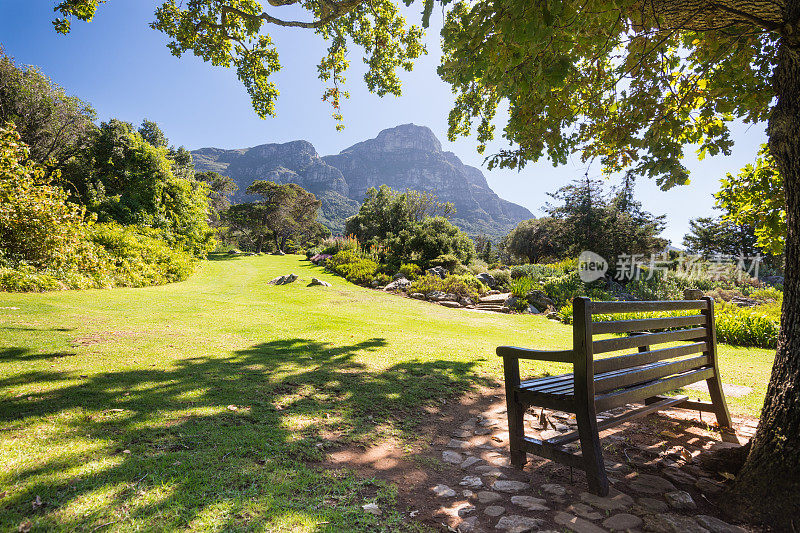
<point x="418" y="296"/>
<point x="451" y="304"/>
<point x="397" y="285"/>
<point x="511" y="302"/>
<point x="539" y="300"/>
<point x="438" y="271"/>
<point x="398" y="275"/>
<point x="466" y="301"/>
<point x="552" y="315"/>
<point x="284" y="280"/>
<point x="315" y="281"/>
<point x="487" y="279"/>
<point x="436" y="296"/>
<point x="532" y="310"/>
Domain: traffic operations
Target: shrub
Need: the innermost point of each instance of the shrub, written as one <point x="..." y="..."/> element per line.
<point x="410" y="270"/>
<point x="351" y="266"/>
<point x="746" y="327"/>
<point x="520" y="287"/>
<point x="463" y="285"/>
<point x="540" y="272"/>
<point x="502" y="278"/>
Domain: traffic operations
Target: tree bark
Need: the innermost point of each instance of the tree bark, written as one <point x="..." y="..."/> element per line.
<point x="768" y="486"/>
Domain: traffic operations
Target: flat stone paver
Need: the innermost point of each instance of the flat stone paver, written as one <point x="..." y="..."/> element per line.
<point x="579" y="525"/>
<point x="622" y="522"/>
<point x="443" y="491"/>
<point x="454" y="458"/>
<point x="587" y="511"/>
<point x="649" y="484"/>
<point x="494" y="510"/>
<point x="553" y="489"/>
<point x="651" y="504"/>
<point x="615" y="501"/>
<point x="680" y="500"/>
<point x="505" y="485"/>
<point x="518" y="524"/>
<point x="673" y="523"/>
<point x="530" y="503"/>
<point x="470" y="461"/>
<point x="472" y="482"/>
<point x="468" y="524"/>
<point x="458" y="444"/>
<point x="486" y="496"/>
<point x="715" y="525"/>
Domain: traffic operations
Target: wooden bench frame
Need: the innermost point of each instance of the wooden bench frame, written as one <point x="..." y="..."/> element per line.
<point x="598" y="385"/>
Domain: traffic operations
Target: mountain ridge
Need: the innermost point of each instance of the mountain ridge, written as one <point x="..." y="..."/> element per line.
<point x="404" y="157"/>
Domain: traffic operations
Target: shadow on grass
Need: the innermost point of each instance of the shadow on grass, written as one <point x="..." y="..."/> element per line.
<point x="223" y="440"/>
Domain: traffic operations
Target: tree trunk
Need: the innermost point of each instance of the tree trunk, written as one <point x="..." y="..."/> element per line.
<point x="768" y="486"/>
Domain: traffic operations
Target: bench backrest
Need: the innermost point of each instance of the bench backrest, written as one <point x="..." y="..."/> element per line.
<point x="696" y="338"/>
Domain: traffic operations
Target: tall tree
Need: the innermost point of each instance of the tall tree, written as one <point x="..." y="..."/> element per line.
<point x="221" y="188"/>
<point x="288" y="211"/>
<point x="54" y="125"/>
<point x="536" y="239"/>
<point x="715" y="236"/>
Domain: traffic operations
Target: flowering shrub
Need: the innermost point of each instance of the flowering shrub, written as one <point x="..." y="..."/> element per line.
<point x="465" y="285"/>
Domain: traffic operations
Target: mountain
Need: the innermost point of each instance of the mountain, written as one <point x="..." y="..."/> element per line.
<point x="403" y="157"/>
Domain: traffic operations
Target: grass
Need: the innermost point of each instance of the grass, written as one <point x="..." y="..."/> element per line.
<point x="206" y="404"/>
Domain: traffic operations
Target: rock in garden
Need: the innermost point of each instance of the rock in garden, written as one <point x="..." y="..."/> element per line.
<point x="490" y="470"/>
<point x="472" y="482"/>
<point x="494" y="510"/>
<point x="615" y="501"/>
<point x="418" y="296"/>
<point x="539" y="299"/>
<point x="454" y="458"/>
<point x="436" y="296"/>
<point x="553" y="315"/>
<point x="530" y="503"/>
<point x="372" y="508"/>
<point x="579" y="525"/>
<point x="518" y="524"/>
<point x="458" y="444"/>
<point x="466" y="301"/>
<point x="680" y="500"/>
<point x="316" y="281"/>
<point x="397" y="285"/>
<point x="438" y="271"/>
<point x="679" y="476"/>
<point x="284" y="280"/>
<point x="486" y="496"/>
<point x="649" y="484"/>
<point x="451" y="305"/>
<point x="622" y="522"/>
<point x="510" y="303"/>
<point x="483" y="431"/>
<point x="443" y="491"/>
<point x="715" y="525"/>
<point x="505" y="485"/>
<point x="461" y="433"/>
<point x="487" y="279"/>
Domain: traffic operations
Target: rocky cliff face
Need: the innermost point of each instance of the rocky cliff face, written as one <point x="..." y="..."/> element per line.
<point x="404" y="157"/>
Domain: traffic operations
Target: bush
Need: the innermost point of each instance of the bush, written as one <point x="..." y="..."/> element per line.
<point x="410" y="270"/>
<point x="540" y="272"/>
<point x="466" y="285"/>
<point x="520" y="287"/>
<point x="352" y="267"/>
<point x="743" y="326"/>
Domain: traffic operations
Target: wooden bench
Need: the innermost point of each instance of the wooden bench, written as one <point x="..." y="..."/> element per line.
<point x="598" y="385"/>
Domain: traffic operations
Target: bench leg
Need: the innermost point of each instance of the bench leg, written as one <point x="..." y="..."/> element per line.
<point x="721" y="409"/>
<point x="516" y="413"/>
<point x="591" y="452"/>
<point x="516" y="431"/>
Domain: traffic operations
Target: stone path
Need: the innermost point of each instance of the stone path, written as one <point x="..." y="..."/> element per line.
<point x="655" y="488"/>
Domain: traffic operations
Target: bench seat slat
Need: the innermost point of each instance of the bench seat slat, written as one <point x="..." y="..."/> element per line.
<point x="637" y="375"/>
<point x="607" y="401"/>
<point x="642" y="358"/>
<point x="624" y="343"/>
<point x="643" y="324"/>
<point x="598" y="308"/>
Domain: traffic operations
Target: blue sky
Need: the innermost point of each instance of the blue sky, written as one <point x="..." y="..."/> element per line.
<point x="124" y="69"/>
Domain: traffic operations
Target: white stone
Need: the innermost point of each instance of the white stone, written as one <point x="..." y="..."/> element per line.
<point x="443" y="491"/>
<point x="372" y="508"/>
<point x="518" y="524"/>
<point x="454" y="458"/>
<point x="472" y="482"/>
<point x="530" y="503"/>
<point x="680" y="500"/>
<point x="504" y="485"/>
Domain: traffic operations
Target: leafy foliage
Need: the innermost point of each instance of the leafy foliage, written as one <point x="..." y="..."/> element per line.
<point x="465" y="285"/>
<point x="53" y="125"/>
<point x="123" y="178"/>
<point x="535" y="240"/>
<point x="713" y="236"/>
<point x="755" y="198"/>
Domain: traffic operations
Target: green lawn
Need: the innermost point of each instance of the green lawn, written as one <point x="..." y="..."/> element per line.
<point x="204" y="404"/>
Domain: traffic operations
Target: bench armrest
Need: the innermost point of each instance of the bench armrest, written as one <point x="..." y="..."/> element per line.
<point x="556" y="356"/>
